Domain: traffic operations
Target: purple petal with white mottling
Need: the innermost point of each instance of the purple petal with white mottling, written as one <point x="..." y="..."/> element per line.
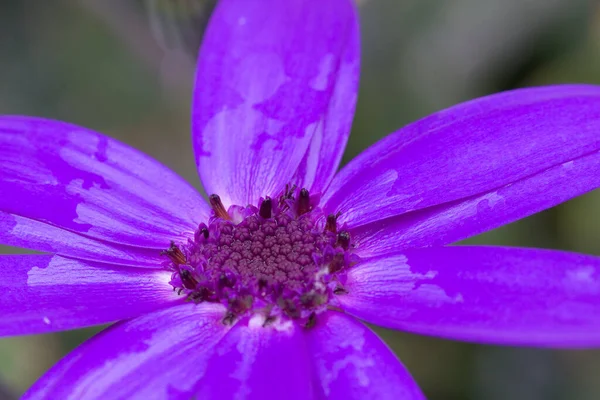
<point x="468" y="149"/>
<point x="87" y="183"/>
<point x="157" y="356"/>
<point x="493" y="295"/>
<point x="31" y="234"/>
<point x="45" y="293"/>
<point x="264" y="84"/>
<point x="447" y="223"/>
<point x="256" y="362"/>
<point x="351" y="362"/>
<point x="326" y="148"/>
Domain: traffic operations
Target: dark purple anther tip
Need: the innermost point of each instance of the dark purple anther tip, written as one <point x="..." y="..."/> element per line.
<point x="288" y="194"/>
<point x="343" y="240"/>
<point x="226" y="281"/>
<point x="174" y="254"/>
<point x="303" y="202"/>
<point x="339" y="290"/>
<point x="187" y="279"/>
<point x="240" y="305"/>
<point x="202" y="232"/>
<point x="290" y="308"/>
<point x="218" y="207"/>
<point x="266" y="208"/>
<point x="331" y="224"/>
<point x="312" y="321"/>
<point x="201" y="294"/>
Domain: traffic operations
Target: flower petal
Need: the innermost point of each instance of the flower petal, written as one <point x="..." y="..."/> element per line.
<point x="156" y="356"/>
<point x="450" y="222"/>
<point x="353" y="363"/>
<point x="328" y="143"/>
<point x="467" y="150"/>
<point x="45" y="293"/>
<point x="256" y="362"/>
<point x="87" y="183"/>
<point x="482" y="294"/>
<point x="31" y="234"/>
<point x="269" y="74"/>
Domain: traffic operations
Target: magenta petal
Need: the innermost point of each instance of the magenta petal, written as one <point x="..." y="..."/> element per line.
<point x="44" y="293"/>
<point x="82" y="181"/>
<point x="270" y="74"/>
<point x="450" y="222"/>
<point x="256" y="362"/>
<point x="467" y="150"/>
<point x="351" y="362"/>
<point x="157" y="356"/>
<point x="482" y="294"/>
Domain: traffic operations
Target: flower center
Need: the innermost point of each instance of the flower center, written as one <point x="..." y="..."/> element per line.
<point x="279" y="261"/>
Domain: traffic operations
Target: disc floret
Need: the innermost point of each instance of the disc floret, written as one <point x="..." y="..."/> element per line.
<point x="282" y="260"/>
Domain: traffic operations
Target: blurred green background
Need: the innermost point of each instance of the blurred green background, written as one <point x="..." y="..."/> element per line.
<point x="125" y="68"/>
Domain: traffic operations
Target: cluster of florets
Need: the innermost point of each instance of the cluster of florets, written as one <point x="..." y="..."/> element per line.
<point x="282" y="259"/>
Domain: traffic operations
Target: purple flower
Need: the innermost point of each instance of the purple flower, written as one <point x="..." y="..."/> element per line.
<point x="259" y="292"/>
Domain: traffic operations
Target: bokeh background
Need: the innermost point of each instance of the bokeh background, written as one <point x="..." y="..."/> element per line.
<point x="125" y="68"/>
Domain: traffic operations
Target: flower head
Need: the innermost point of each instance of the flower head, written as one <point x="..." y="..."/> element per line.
<point x="259" y="291"/>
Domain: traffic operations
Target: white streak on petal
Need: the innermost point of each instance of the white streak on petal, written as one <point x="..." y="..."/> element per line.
<point x="326" y="66"/>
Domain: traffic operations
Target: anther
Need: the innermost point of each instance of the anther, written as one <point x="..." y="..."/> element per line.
<point x="188" y="280"/>
<point x="343" y="240"/>
<point x="240" y="305"/>
<point x="174" y="254"/>
<point x="287" y="194"/>
<point x="266" y="207"/>
<point x="229" y="318"/>
<point x="217" y="206"/>
<point x="339" y="290"/>
<point x="201" y="294"/>
<point x="337" y="263"/>
<point x="289" y="308"/>
<point x="331" y="224"/>
<point x="268" y="321"/>
<point x="202" y="232"/>
<point x="312" y="321"/>
<point x="303" y="202"/>
<point x="226" y="281"/>
<point x="312" y="300"/>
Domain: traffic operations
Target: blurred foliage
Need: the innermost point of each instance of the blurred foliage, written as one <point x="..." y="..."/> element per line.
<point x="125" y="67"/>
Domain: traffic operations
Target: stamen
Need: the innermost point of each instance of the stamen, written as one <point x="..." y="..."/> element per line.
<point x="201" y="294"/>
<point x="290" y="308"/>
<point x="303" y="202"/>
<point x="331" y="224"/>
<point x="339" y="290"/>
<point x="266" y="208"/>
<point x="188" y="280"/>
<point x="288" y="194"/>
<point x="337" y="263"/>
<point x="226" y="281"/>
<point x="343" y="240"/>
<point x="217" y="206"/>
<point x="202" y="232"/>
<point x="268" y="321"/>
<point x="312" y="321"/>
<point x="240" y="305"/>
<point x="174" y="254"/>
